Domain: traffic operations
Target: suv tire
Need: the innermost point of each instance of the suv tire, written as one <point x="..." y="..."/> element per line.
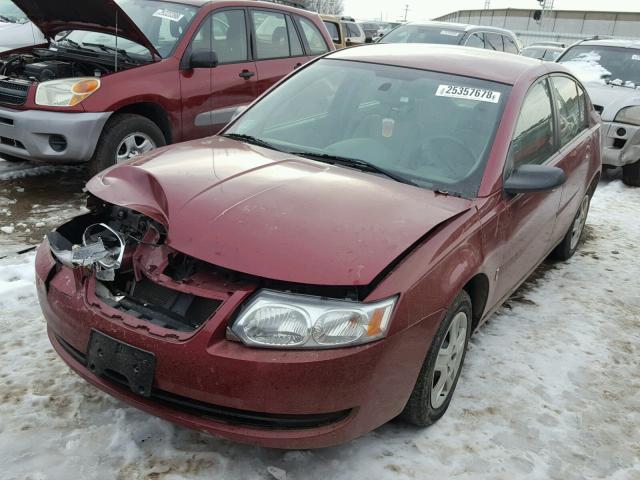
<point x="631" y="174"/>
<point x="116" y="131"/>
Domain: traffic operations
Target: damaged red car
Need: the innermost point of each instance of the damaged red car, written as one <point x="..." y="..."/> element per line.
<point x="318" y="268"/>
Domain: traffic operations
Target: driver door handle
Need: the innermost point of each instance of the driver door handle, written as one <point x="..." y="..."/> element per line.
<point x="246" y="74"/>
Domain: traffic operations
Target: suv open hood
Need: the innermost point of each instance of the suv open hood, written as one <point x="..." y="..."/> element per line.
<point x="53" y="17"/>
<point x="275" y="215"/>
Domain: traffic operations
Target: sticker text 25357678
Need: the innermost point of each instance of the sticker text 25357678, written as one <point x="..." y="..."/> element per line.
<point x="469" y="93"/>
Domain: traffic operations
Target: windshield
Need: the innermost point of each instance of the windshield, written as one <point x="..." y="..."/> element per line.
<point x="163" y="23"/>
<point x="434" y="130"/>
<point x="614" y="65"/>
<point x="424" y="34"/>
<point x="9" y="13"/>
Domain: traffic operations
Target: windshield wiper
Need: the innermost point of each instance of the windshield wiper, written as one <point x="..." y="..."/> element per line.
<point x="6" y="19"/>
<point x="357" y="163"/>
<point x="107" y="48"/>
<point x="249" y="139"/>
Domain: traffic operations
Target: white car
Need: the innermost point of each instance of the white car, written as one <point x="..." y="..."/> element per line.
<point x="610" y="70"/>
<point x="16" y="31"/>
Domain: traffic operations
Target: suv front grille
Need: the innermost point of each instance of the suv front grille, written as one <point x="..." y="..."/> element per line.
<point x="14" y="92"/>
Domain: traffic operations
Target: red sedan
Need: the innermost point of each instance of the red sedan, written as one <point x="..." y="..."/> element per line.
<point x="317" y="269"/>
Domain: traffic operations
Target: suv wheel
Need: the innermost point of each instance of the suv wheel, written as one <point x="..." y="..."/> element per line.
<point x="440" y="372"/>
<point x="125" y="136"/>
<point x="631" y="174"/>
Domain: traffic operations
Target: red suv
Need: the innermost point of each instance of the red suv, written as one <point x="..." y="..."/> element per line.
<point x="122" y="77"/>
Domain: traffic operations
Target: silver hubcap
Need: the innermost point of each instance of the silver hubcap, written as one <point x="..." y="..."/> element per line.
<point x="579" y="223"/>
<point x="133" y="145"/>
<point x="449" y="360"/>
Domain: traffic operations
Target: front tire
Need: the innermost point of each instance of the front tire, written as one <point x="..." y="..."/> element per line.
<point x="441" y="369"/>
<point x="571" y="240"/>
<point x="631" y="174"/>
<point x="124" y="137"/>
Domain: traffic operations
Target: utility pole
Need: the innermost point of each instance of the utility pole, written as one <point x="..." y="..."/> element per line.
<point x="487" y="4"/>
<point x="406" y="12"/>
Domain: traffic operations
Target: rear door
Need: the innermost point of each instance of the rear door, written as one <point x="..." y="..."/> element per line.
<point x="528" y="220"/>
<point x="211" y="96"/>
<point x="277" y="46"/>
<point x="576" y="148"/>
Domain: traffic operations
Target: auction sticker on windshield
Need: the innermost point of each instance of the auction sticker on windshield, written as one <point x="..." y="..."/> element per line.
<point x="169" y="15"/>
<point x="468" y="93"/>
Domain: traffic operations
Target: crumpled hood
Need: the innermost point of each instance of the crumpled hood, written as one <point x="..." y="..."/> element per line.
<point x="274" y="215"/>
<point x="53" y="17"/>
<point x="612" y="97"/>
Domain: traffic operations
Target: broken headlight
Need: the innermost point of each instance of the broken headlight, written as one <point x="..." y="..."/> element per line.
<point x="279" y="320"/>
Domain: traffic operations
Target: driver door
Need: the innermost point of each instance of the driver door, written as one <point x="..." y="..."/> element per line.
<point x="528" y="220"/>
<point x="211" y="96"/>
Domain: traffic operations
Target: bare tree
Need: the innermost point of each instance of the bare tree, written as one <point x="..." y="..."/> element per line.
<point x="330" y="7"/>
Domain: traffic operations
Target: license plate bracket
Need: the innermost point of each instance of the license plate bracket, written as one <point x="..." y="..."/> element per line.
<point x="108" y="356"/>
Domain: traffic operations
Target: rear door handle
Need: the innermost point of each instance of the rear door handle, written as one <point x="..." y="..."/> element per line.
<point x="246" y="74"/>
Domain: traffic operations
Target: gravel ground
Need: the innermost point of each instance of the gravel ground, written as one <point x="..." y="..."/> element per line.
<point x="550" y="389"/>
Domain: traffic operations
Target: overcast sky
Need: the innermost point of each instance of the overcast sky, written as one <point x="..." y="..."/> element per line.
<point x="426" y="9"/>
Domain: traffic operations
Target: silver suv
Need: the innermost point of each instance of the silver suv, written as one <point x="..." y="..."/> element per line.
<point x="610" y="70"/>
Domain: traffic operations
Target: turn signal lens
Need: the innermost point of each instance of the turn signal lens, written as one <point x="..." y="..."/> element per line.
<point x="67" y="92"/>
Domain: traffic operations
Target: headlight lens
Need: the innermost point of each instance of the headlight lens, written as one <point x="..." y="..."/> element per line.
<point x="67" y="92"/>
<point x="279" y="320"/>
<point x="630" y="115"/>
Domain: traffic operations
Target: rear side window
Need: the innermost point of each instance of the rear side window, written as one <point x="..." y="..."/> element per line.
<point x="509" y="45"/>
<point x="314" y="38"/>
<point x="476" y="40"/>
<point x="352" y="29"/>
<point x="493" y="41"/>
<point x="584" y="112"/>
<point x="569" y="111"/>
<point x="294" y="40"/>
<point x="272" y="37"/>
<point x="226" y="33"/>
<point x="533" y="141"/>
<point x="334" y="31"/>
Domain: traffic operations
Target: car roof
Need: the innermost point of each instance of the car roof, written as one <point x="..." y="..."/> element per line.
<point x="461" y="27"/>
<point x="612" y="43"/>
<point x="465" y="61"/>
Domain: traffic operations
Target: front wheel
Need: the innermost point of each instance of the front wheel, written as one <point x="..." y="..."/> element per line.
<point x="571" y="240"/>
<point x="631" y="174"/>
<point x="125" y="136"/>
<point x="440" y="371"/>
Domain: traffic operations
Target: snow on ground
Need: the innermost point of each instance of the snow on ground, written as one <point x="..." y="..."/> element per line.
<point x="550" y="390"/>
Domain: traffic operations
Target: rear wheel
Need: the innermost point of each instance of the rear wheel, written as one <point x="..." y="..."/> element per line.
<point x="439" y="375"/>
<point x="571" y="240"/>
<point x="631" y="174"/>
<point x="125" y="136"/>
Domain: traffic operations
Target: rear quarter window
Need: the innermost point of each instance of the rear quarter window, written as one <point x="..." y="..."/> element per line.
<point x="314" y="39"/>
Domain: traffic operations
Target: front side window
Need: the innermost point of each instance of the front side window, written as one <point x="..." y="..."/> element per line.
<point x="533" y="142"/>
<point x="353" y="30"/>
<point x="568" y="107"/>
<point x="476" y="40"/>
<point x="272" y="38"/>
<point x="424" y="34"/>
<point x="225" y="33"/>
<point x="334" y="31"/>
<point x="509" y="45"/>
<point x="435" y="130"/>
<point x="314" y="38"/>
<point x="493" y="41"/>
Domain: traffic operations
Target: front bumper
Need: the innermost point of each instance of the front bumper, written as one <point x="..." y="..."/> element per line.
<point x="621" y="144"/>
<point x="292" y="399"/>
<point x="27" y="134"/>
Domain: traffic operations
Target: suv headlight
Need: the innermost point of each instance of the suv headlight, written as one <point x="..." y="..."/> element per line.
<point x="630" y="115"/>
<point x="279" y="320"/>
<point x="67" y="92"/>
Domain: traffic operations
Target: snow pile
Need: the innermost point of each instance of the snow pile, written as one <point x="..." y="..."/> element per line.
<point x="13" y="171"/>
<point x="549" y="391"/>
<point x="587" y="68"/>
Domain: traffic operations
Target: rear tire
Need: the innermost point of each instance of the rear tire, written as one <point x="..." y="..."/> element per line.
<point x="122" y="128"/>
<point x="433" y="392"/>
<point x="571" y="241"/>
<point x="631" y="174"/>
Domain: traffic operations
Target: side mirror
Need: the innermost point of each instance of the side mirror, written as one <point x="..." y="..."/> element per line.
<point x="203" y="59"/>
<point x="348" y="42"/>
<point x="368" y="40"/>
<point x="534" y="178"/>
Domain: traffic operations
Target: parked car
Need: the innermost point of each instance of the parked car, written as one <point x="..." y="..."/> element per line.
<point x="176" y="71"/>
<point x="489" y="38"/>
<point x="548" y="54"/>
<point x="371" y="29"/>
<point x="610" y="70"/>
<point x="16" y="31"/>
<point x="318" y="268"/>
<point x="343" y="31"/>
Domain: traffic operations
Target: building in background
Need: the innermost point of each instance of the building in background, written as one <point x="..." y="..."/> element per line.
<point x="564" y="26"/>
